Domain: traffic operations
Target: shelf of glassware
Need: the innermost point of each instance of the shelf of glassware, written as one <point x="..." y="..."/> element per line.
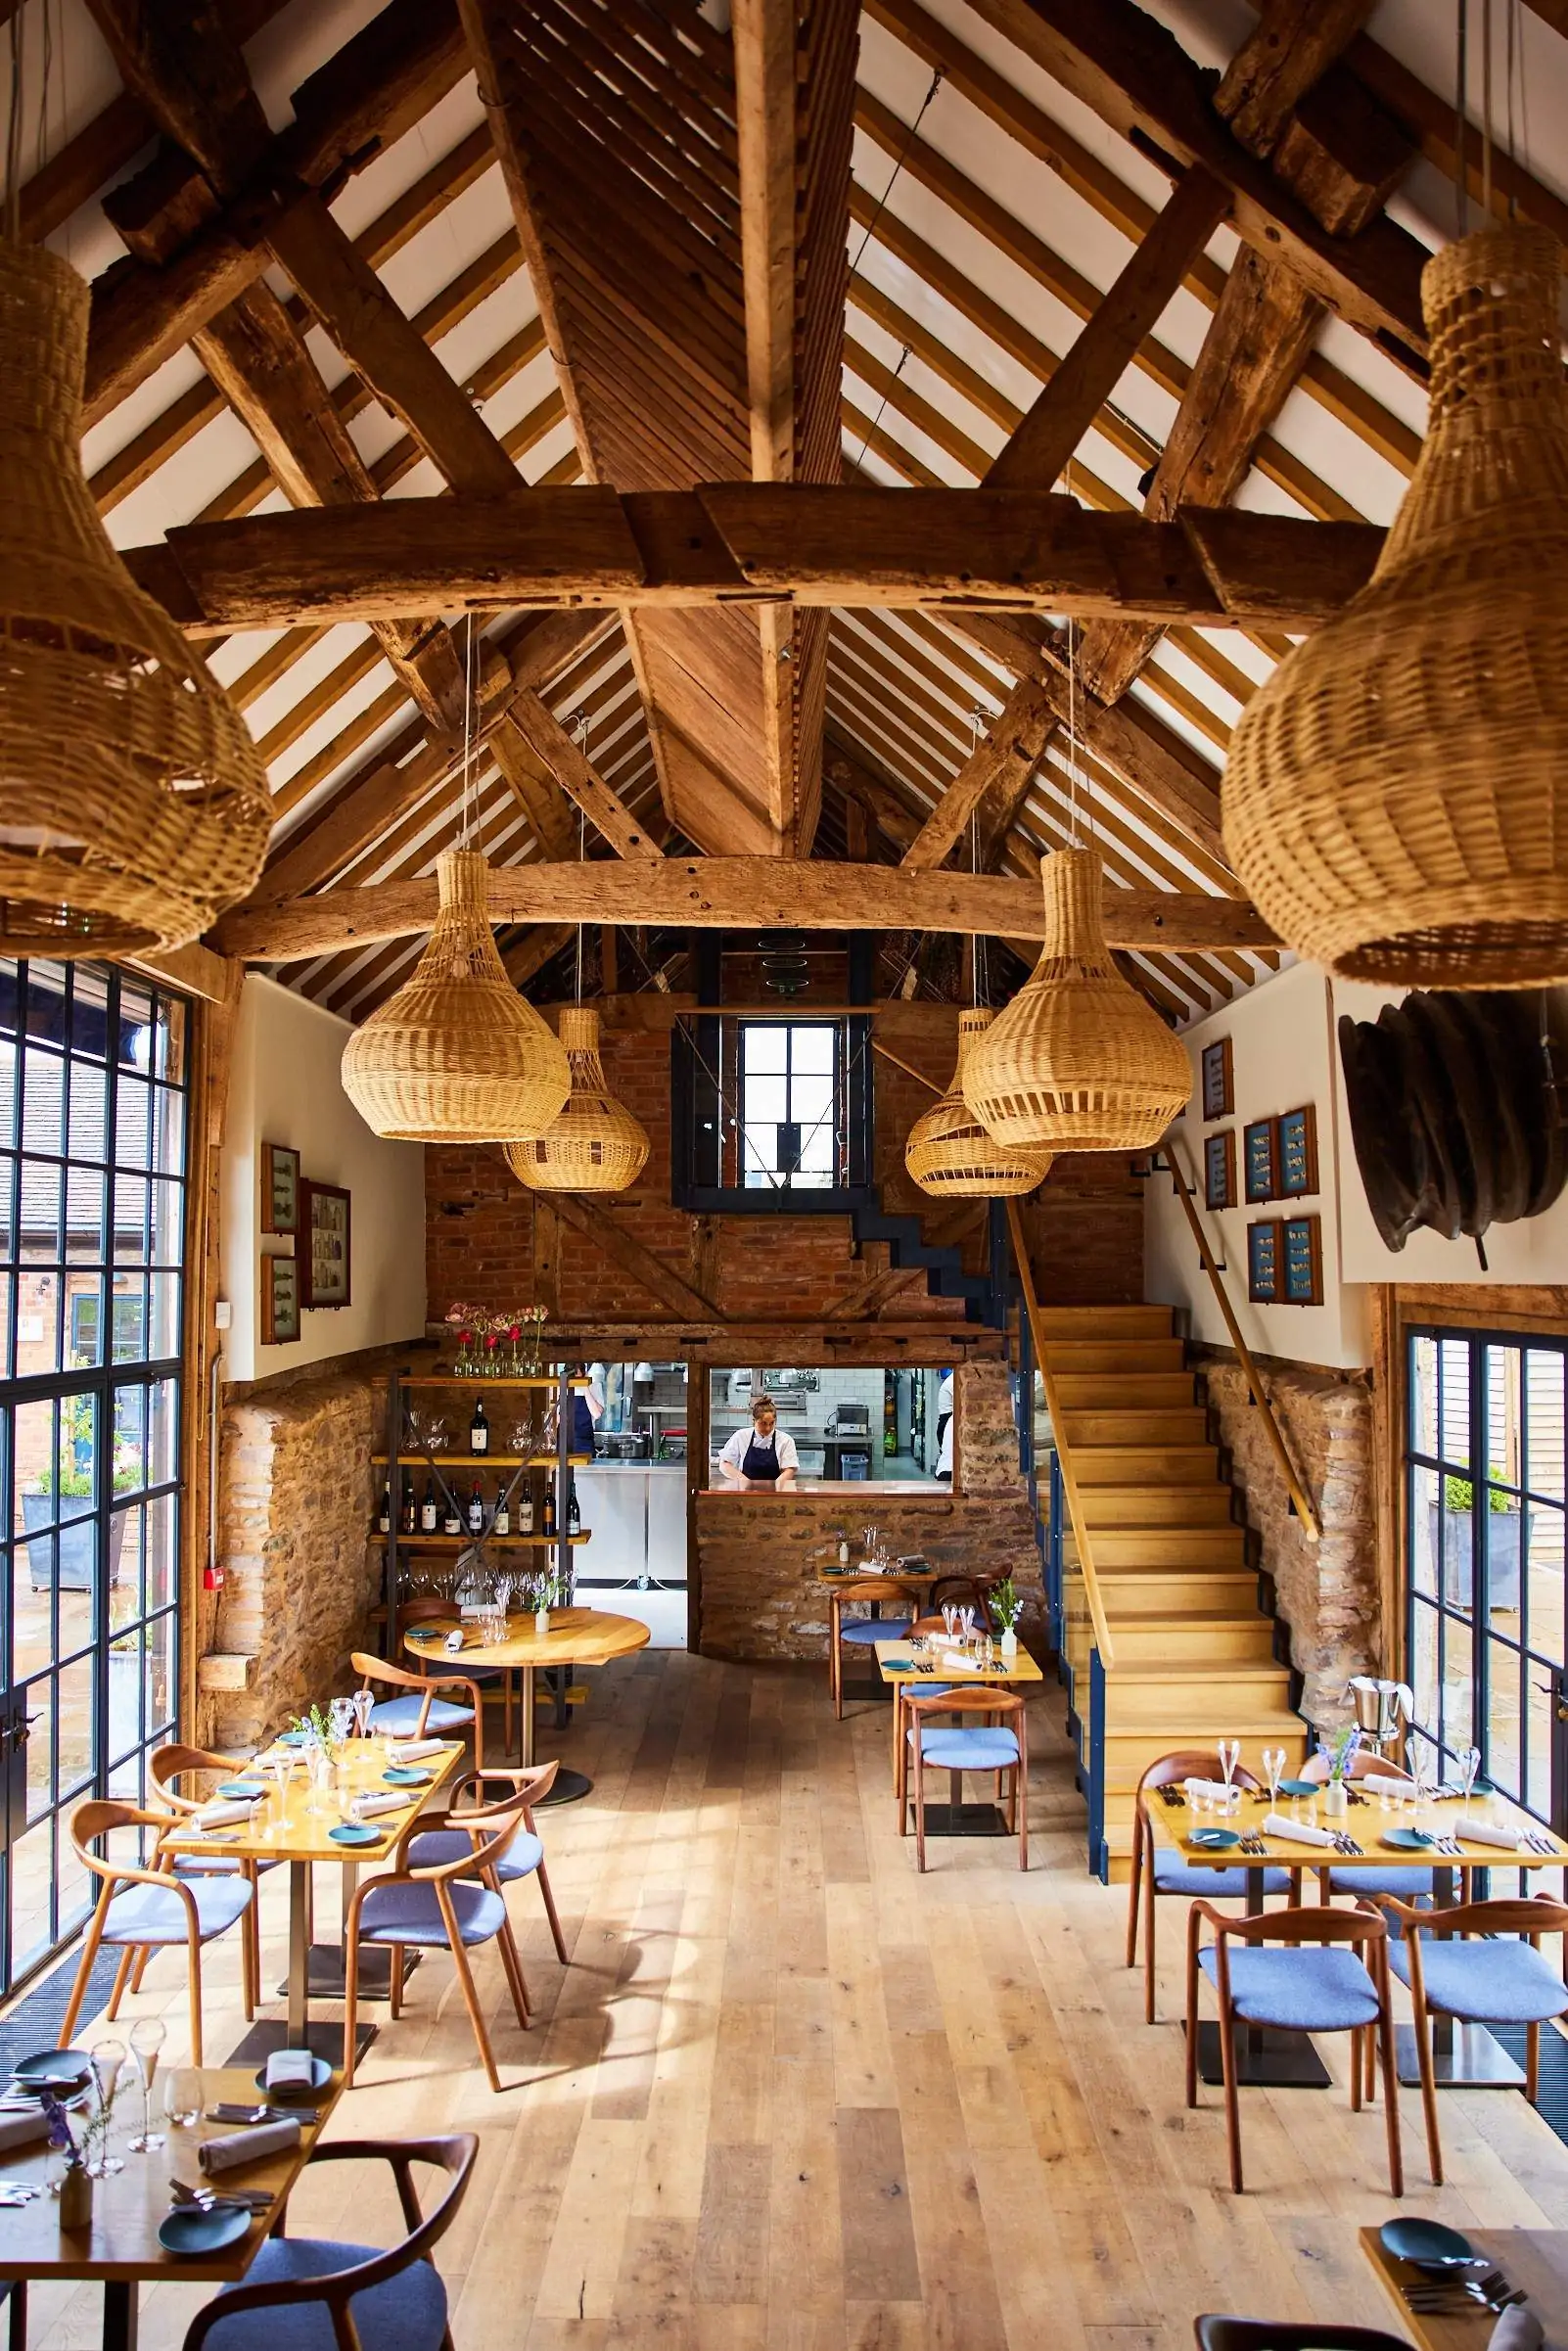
<point x="491" y="1543"/>
<point x="482" y="1383"/>
<point x="484" y="1461"/>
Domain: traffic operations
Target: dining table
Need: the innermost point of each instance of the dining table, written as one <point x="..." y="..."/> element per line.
<point x="904" y="1668"/>
<point x="1464" y="2056"/>
<point x="576" y="1636"/>
<point x="121" y="2249"/>
<point x="1532" y="2260"/>
<point x="284" y="1827"/>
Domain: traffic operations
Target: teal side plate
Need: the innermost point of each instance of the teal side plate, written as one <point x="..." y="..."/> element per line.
<point x="899" y="1665"/>
<point x="292" y="1738"/>
<point x="1406" y="1840"/>
<point x="295" y="2092"/>
<point x="1300" y="1787"/>
<point x="239" y="1790"/>
<point x="192" y="2233"/>
<point x="404" y="1776"/>
<point x="1426" y="2241"/>
<point x="354" y="1832"/>
<point x="1215" y="1840"/>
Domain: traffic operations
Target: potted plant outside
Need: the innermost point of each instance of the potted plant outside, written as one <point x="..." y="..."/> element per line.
<point x="1006" y="1607"/>
<point x="48" y="1500"/>
<point x="1449" y="1534"/>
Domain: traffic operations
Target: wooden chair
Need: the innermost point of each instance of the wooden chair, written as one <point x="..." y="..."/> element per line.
<point x="483" y="1676"/>
<point x="860" y="1632"/>
<point x="962" y="1592"/>
<point x="1403" y="1882"/>
<point x="931" y="1628"/>
<point x="419" y="1711"/>
<point x="155" y="1909"/>
<point x="471" y="1825"/>
<point x="453" y="1906"/>
<point x="364" y="2295"/>
<point x="1285" y="2334"/>
<point x="169" y="1765"/>
<point x="999" y="1745"/>
<point x="1478" y="1982"/>
<point x="1165" y="1872"/>
<point x="1307" y="1987"/>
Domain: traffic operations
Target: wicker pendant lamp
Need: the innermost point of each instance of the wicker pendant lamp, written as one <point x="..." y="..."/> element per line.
<point x="1396" y="799"/>
<point x="595" y="1145"/>
<point x="133" y="805"/>
<point x="1078" y="1061"/>
<point x="950" y="1155"/>
<point x="456" y="1056"/>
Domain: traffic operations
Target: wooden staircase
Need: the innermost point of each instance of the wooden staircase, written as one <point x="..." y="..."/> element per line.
<point x="1198" y="1655"/>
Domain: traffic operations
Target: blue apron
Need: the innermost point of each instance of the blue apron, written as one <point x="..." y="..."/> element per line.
<point x="581" y="1424"/>
<point x="761" y="1461"/>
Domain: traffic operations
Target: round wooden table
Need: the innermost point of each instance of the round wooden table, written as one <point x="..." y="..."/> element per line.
<point x="577" y="1636"/>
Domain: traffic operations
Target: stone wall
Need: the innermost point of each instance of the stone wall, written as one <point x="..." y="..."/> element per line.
<point x="1327" y="1591"/>
<point x="299" y="1578"/>
<point x="760" y="1557"/>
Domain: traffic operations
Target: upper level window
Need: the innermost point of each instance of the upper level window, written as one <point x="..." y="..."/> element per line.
<point x="791" y="1113"/>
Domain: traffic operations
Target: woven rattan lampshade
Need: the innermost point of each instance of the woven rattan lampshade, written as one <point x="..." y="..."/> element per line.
<point x="133" y="805"/>
<point x="950" y="1155"/>
<point x="456" y="1056"/>
<point x="595" y="1145"/>
<point x="1078" y="1061"/>
<point x="1396" y="799"/>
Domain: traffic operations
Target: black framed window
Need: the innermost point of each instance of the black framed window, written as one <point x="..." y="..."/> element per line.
<point x="792" y="1111"/>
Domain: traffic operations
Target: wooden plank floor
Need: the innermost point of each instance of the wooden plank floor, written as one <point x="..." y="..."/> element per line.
<point x="791" y="2094"/>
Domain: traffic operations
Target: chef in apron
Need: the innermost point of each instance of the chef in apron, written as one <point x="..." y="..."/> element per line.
<point x="761" y="1456"/>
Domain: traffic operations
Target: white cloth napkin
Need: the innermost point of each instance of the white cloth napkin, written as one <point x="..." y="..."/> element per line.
<point x="1487" y="1833"/>
<point x="1302" y="1832"/>
<point x="395" y="1801"/>
<point x="1388" y="1784"/>
<point x="220" y="1816"/>
<point x="20" y="2130"/>
<point x="1517" y="2330"/>
<point x="238" y="2147"/>
<point x="1206" y="1787"/>
<point x="953" y="1661"/>
<point x="413" y="1750"/>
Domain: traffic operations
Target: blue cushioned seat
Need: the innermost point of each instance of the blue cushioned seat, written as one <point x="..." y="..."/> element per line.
<point x="439" y="1846"/>
<point x="407" y="2313"/>
<point x="394" y="1913"/>
<point x="988" y="1750"/>
<point x="877" y="1628"/>
<point x="1316" y="1989"/>
<point x="220" y="1865"/>
<point x="1405" y="1885"/>
<point x="1172" y="1876"/>
<point x="401" y="1716"/>
<point x="1490" y="1982"/>
<point x="145" y="1914"/>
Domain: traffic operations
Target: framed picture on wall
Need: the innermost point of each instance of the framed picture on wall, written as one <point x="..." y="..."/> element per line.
<point x="1302" y="1262"/>
<point x="1220" y="1170"/>
<point x="1218" y="1095"/>
<point x="280" y="1300"/>
<point x="1262" y="1262"/>
<point x="324" y="1232"/>
<point x="280" y="1188"/>
<point x="1298" y="1153"/>
<point x="1260" y="1161"/>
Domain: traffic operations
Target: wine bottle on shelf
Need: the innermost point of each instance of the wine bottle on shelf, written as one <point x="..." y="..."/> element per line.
<point x="386" y="1507"/>
<point x="452" y="1517"/>
<point x="547" y="1520"/>
<point x="429" y="1509"/>
<point x="524" y="1508"/>
<point x="407" y="1516"/>
<point x="573" y="1513"/>
<point x="503" y="1513"/>
<point x="479" y="1429"/>
<point x="476" y="1510"/>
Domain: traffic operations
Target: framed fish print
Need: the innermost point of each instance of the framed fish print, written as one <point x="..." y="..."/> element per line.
<point x="1298" y="1153"/>
<point x="1220" y="1169"/>
<point x="1262" y="1262"/>
<point x="280" y="1188"/>
<point x="324" y="1232"/>
<point x="280" y="1300"/>
<point x="1260" y="1161"/>
<point x="1302" y="1262"/>
<point x="1219" y="1093"/>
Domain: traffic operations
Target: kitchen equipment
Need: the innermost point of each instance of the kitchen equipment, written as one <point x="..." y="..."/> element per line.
<point x="1383" y="1708"/>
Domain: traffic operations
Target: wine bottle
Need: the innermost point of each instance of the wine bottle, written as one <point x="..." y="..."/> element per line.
<point x="547" y="1521"/>
<point x="525" y="1508"/>
<point x="573" y="1513"/>
<point x="452" y="1517"/>
<point x="386" y="1507"/>
<point x="476" y="1510"/>
<point x="503" y="1513"/>
<point x="407" y="1514"/>
<point x="429" y="1509"/>
<point x="479" y="1429"/>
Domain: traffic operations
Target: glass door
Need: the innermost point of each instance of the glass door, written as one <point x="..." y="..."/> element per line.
<point x="1484" y="1558"/>
<point x="92" y="1225"/>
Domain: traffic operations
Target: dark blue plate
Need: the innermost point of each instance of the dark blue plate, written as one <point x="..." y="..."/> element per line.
<point x="1215" y="1840"/>
<point x="64" y="2071"/>
<point x="295" y="2091"/>
<point x="1300" y="1787"/>
<point x="1426" y="2243"/>
<point x="404" y="1776"/>
<point x="1406" y="1840"/>
<point x="355" y="1832"/>
<point x="195" y="2234"/>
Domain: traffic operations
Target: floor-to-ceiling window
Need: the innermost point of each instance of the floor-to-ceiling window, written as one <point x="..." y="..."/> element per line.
<point x="1484" y="1544"/>
<point x="92" y="1225"/>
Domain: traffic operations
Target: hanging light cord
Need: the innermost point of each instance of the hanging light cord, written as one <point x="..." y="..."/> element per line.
<point x="581" y="732"/>
<point x="467" y="833"/>
<point x="871" y="230"/>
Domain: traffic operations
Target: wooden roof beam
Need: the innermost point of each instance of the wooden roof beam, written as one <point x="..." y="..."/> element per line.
<point x="1289" y="101"/>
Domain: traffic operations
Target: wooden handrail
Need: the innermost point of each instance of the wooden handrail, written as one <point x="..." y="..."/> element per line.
<point x="1064" y="1450"/>
<point x="1304" y="1510"/>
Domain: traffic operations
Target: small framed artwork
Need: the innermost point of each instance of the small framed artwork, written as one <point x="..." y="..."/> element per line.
<point x="1219" y="1093"/>
<point x="1298" y="1153"/>
<point x="1301" y="1276"/>
<point x="280" y="1300"/>
<point x="280" y="1188"/>
<point x="324" y="1232"/>
<point x="1220" y="1170"/>
<point x="1260" y="1160"/>
<point x="1262" y="1262"/>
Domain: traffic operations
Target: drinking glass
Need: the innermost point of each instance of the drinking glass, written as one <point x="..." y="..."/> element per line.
<point x="1469" y="1766"/>
<point x="182" y="2096"/>
<point x="362" y="1702"/>
<point x="1274" y="1764"/>
<point x="320" y="1778"/>
<point x="280" y="1764"/>
<point x="340" y="1716"/>
<point x="106" y="2058"/>
<point x="1229" y="1753"/>
<point x="147" y="2037"/>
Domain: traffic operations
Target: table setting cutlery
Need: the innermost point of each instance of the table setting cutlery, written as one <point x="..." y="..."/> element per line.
<point x="1433" y="2296"/>
<point x="1348" y="1847"/>
<point x="262" y="2113"/>
<point x="249" y="2199"/>
<point x="1542" y="1845"/>
<point x="1255" y="1847"/>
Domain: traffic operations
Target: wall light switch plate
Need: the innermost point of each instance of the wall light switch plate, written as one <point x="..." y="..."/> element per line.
<point x="222" y="1314"/>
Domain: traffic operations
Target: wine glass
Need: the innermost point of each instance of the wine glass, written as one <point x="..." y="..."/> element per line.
<point x="182" y="2096"/>
<point x="320" y="1777"/>
<point x="147" y="2037"/>
<point x="340" y="1718"/>
<point x="1230" y="1754"/>
<point x="1469" y="1766"/>
<point x="362" y="1701"/>
<point x="280" y="1763"/>
<point x="1274" y="1764"/>
<point x="106" y="2058"/>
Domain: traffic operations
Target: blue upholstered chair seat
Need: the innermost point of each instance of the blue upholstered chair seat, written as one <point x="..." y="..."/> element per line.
<point x="408" y="2313"/>
<point x="1172" y="1876"/>
<point x="1490" y="1982"/>
<point x="403" y="1913"/>
<point x="989" y="1750"/>
<point x="439" y="1846"/>
<point x="145" y="1914"/>
<point x="401" y="1716"/>
<point x="1316" y="1989"/>
<point x="219" y="1864"/>
<point x="1405" y="1885"/>
<point x="872" y="1629"/>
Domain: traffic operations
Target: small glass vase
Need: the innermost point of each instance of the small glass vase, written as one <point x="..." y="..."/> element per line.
<point x="76" y="2198"/>
<point x="1336" y="1800"/>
